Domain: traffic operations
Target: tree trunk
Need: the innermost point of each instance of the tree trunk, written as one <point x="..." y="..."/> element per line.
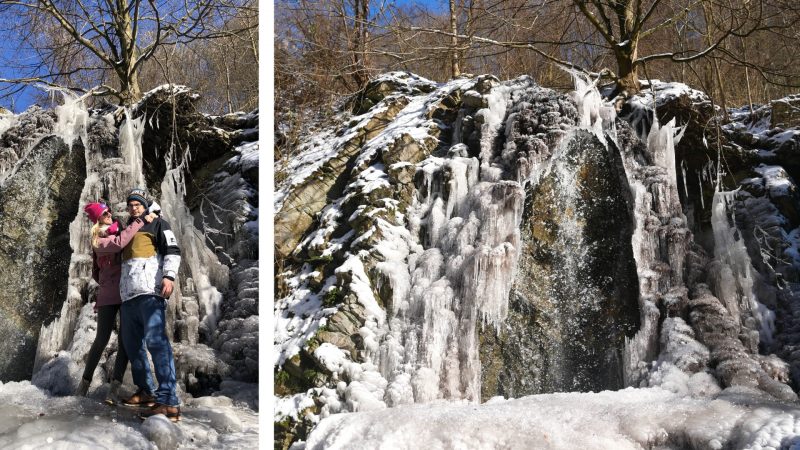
<point x="627" y="71"/>
<point x="133" y="90"/>
<point x="129" y="54"/>
<point x="454" y="40"/>
<point x="361" y="12"/>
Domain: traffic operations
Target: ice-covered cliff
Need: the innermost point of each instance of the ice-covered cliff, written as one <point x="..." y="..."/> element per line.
<point x="202" y="170"/>
<point x="478" y="238"/>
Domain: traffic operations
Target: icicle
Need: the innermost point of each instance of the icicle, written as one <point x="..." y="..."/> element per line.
<point x="683" y="172"/>
<point x="204" y="267"/>
<point x="130" y="144"/>
<point x="700" y="177"/>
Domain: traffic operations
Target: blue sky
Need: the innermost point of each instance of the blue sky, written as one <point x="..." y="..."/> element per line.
<point x="22" y="100"/>
<point x="10" y="53"/>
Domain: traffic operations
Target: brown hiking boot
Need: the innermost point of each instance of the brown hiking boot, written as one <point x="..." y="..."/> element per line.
<point x="140" y="398"/>
<point x="173" y="413"/>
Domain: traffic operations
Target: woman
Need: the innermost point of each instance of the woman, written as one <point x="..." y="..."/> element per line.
<point x="107" y="242"/>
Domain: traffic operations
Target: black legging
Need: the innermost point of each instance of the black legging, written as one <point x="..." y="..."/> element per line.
<point x="106" y="316"/>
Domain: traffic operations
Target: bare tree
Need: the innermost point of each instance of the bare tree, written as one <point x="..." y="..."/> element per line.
<point x="106" y="41"/>
<point x="622" y="29"/>
<point x="454" y="55"/>
<point x="224" y="70"/>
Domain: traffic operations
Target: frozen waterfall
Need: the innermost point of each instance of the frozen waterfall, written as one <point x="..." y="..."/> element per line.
<point x="732" y="275"/>
<point x="108" y="178"/>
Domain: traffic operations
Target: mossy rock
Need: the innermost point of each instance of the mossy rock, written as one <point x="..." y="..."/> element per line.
<point x="342" y="341"/>
<point x="348" y="320"/>
<point x="408" y="149"/>
<point x="294" y="379"/>
<point x="333" y="297"/>
<point x="288" y="431"/>
<point x="286" y="384"/>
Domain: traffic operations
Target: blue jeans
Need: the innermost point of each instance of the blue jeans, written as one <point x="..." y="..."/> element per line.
<point x="144" y="317"/>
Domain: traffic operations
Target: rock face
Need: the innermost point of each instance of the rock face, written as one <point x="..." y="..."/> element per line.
<point x="226" y="208"/>
<point x="325" y="185"/>
<point x="37" y="203"/>
<point x="20" y="132"/>
<point x="785" y="112"/>
<point x="575" y="296"/>
<point x="172" y="122"/>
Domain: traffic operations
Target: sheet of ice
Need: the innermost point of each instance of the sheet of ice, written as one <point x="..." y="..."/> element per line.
<point x="61" y="333"/>
<point x="7" y="121"/>
<point x="130" y="146"/>
<point x="72" y="118"/>
<point x="209" y="276"/>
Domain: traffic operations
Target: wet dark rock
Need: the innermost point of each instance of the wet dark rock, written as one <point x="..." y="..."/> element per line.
<point x="173" y="122"/>
<point x="37" y="203"/>
<point x="569" y="312"/>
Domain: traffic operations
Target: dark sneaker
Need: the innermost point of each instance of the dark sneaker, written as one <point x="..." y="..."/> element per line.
<point x="140" y="398"/>
<point x="173" y="413"/>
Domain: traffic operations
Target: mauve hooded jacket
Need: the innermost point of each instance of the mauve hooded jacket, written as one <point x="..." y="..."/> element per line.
<point x="107" y="264"/>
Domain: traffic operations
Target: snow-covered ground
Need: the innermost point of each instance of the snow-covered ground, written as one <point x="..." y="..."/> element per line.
<point x="628" y="419"/>
<point x="30" y="418"/>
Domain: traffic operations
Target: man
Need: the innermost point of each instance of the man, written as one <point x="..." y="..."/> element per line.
<point x="149" y="268"/>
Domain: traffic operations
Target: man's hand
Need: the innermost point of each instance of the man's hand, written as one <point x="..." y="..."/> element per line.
<point x="149" y="218"/>
<point x="166" y="287"/>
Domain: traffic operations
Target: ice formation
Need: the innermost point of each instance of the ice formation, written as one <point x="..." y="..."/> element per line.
<point x="467" y="219"/>
<point x="110" y="176"/>
<point x="625" y="419"/>
<point x="449" y="272"/>
<point x="659" y="241"/>
<point x="732" y="275"/>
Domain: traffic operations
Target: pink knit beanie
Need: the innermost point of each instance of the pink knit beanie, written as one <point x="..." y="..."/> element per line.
<point x="95" y="210"/>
